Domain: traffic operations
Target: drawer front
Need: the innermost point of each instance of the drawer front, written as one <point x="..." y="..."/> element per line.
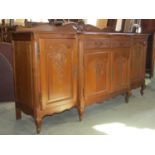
<point x="97" y="43"/>
<point x="120" y="42"/>
<point x="108" y="42"/>
<point x="140" y="41"/>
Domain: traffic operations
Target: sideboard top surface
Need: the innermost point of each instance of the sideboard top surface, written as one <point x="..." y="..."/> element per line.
<point x="70" y="29"/>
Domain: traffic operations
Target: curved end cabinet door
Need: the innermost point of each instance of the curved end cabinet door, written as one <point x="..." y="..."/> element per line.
<point x="58" y="82"/>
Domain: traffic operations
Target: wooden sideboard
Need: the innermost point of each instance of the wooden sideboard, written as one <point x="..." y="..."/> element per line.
<point x="62" y="68"/>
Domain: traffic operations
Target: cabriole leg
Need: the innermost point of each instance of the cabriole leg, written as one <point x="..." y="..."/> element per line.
<point x="18" y="113"/>
<point x="81" y="112"/>
<point x="38" y="125"/>
<point x="142" y="89"/>
<point x="127" y="95"/>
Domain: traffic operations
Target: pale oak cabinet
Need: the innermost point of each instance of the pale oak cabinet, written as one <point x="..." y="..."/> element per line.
<point x="56" y="69"/>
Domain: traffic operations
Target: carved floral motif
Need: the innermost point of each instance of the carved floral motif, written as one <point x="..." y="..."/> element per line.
<point x="59" y="59"/>
<point x="99" y="66"/>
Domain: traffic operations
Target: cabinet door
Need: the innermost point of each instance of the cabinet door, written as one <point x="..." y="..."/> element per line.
<point x="120" y="69"/>
<point x="138" y="61"/>
<point x="58" y="79"/>
<point x="96" y="74"/>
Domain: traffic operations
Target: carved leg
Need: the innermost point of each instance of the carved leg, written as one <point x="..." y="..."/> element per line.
<point x="142" y="89"/>
<point x="130" y="94"/>
<point x="38" y="125"/>
<point x="18" y="113"/>
<point x="81" y="112"/>
<point x="127" y="95"/>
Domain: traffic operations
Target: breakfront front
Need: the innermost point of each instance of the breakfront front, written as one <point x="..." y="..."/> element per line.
<point x="58" y="68"/>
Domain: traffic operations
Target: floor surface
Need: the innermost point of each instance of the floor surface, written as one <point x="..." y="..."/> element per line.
<point x="113" y="117"/>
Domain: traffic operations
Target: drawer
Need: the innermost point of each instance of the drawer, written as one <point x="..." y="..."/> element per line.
<point x="96" y="43"/>
<point x="120" y="42"/>
<point x="140" y="41"/>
